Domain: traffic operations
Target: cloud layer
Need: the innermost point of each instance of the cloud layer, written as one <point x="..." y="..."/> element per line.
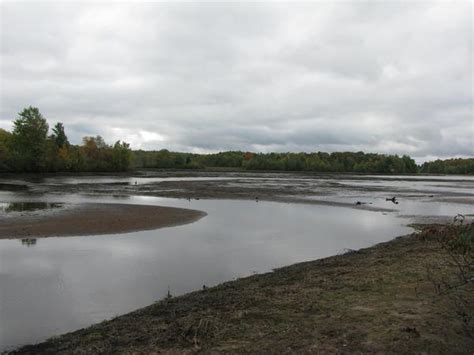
<point x="390" y="77"/>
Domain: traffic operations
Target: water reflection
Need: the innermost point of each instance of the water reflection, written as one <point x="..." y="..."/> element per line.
<point x="63" y="284"/>
<point x="13" y="187"/>
<point x="28" y="206"/>
<point x="28" y="242"/>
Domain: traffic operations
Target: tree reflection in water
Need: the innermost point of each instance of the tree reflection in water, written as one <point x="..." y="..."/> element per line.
<point x="28" y="206"/>
<point x="28" y="241"/>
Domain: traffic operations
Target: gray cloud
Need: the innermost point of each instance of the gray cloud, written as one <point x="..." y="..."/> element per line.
<point x="391" y="77"/>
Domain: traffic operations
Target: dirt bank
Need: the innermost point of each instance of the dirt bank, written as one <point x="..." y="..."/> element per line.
<point x="92" y="219"/>
<point x="390" y="298"/>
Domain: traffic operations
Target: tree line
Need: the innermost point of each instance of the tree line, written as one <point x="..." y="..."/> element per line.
<point x="319" y="162"/>
<point x="350" y="162"/>
<point x="449" y="166"/>
<point x="30" y="148"/>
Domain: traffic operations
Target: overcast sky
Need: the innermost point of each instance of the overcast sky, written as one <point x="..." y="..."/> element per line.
<point x="388" y="77"/>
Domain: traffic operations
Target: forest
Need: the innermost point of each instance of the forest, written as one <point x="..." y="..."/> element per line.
<point x="320" y="162"/>
<point x="347" y="162"/>
<point x="30" y="147"/>
<point x="448" y="166"/>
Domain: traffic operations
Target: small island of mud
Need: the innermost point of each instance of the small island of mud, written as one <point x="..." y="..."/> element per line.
<point x="93" y="219"/>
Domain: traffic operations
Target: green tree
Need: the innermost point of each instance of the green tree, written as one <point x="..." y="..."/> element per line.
<point x="29" y="140"/>
<point x="121" y="156"/>
<point x="410" y="165"/>
<point x="449" y="166"/>
<point x="59" y="135"/>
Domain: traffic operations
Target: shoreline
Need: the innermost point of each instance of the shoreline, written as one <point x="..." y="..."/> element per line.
<point x="94" y="219"/>
<point x="377" y="299"/>
<point x="134" y="171"/>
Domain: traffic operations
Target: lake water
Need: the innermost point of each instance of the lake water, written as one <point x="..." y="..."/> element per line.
<point x="54" y="285"/>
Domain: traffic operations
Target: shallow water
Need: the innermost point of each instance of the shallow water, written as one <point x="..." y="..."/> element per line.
<point x="158" y="183"/>
<point x="54" y="285"/>
<point x="425" y="186"/>
<point x="406" y="207"/>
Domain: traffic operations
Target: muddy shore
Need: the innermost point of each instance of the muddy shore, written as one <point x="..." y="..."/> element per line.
<point x="382" y="299"/>
<point x="338" y="190"/>
<point x="93" y="219"/>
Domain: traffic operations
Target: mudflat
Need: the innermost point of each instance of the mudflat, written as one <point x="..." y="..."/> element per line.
<point x="331" y="189"/>
<point x="93" y="219"/>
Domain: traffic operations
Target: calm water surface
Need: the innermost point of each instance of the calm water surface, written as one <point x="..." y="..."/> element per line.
<point x="55" y="285"/>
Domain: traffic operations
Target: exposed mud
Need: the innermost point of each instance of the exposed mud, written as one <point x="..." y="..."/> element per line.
<point x="92" y="219"/>
<point x="343" y="190"/>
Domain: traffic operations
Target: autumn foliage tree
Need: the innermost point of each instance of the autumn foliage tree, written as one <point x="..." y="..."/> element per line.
<point x="29" y="148"/>
<point x="5" y="139"/>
